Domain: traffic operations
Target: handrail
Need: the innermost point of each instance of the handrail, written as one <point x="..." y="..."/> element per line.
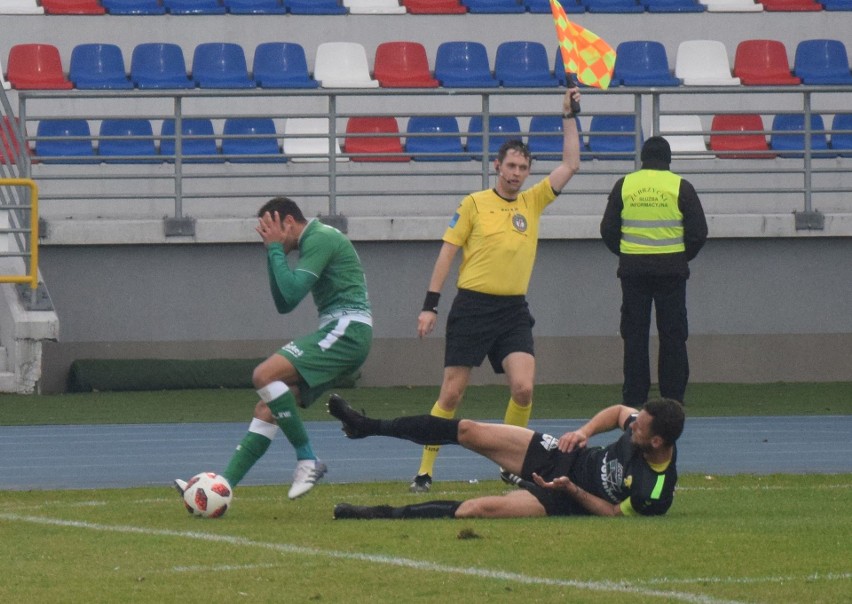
<point x="29" y="252"/>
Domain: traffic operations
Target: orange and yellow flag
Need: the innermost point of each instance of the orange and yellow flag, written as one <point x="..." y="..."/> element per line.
<point x="583" y="52"/>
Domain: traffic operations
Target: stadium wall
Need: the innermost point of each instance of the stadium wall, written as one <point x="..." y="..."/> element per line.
<point x="761" y="310"/>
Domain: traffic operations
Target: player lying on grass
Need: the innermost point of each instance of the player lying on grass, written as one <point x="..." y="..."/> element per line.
<point x="562" y="476"/>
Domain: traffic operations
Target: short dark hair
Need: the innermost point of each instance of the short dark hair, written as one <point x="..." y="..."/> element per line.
<point x="657" y="150"/>
<point x="514" y="144"/>
<point x="285" y="207"/>
<point x="667" y="418"/>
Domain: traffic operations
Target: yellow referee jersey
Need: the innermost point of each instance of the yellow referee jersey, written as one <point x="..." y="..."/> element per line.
<point x="499" y="239"/>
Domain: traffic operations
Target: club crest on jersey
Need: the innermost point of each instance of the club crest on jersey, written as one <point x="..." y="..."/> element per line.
<point x="520" y="223"/>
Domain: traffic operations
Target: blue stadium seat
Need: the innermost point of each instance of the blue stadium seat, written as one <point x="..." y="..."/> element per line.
<point x="198" y="139"/>
<point x="545" y="139"/>
<point x="257" y="137"/>
<point x="195" y="7"/>
<point x="315" y="7"/>
<point x="112" y="147"/>
<point x="75" y="141"/>
<point x="494" y="6"/>
<point x="841" y="142"/>
<point x="613" y="6"/>
<point x="281" y="65"/>
<point x="613" y="137"/>
<point x="523" y="65"/>
<point x="795" y="140"/>
<point x="255" y="7"/>
<point x="543" y="6"/>
<point x="159" y="65"/>
<point x="835" y="5"/>
<point x="98" y="66"/>
<point x="643" y="63"/>
<point x="673" y="6"/>
<point x="134" y="7"/>
<point x="463" y="65"/>
<point x="437" y="134"/>
<point x="822" y="62"/>
<point x="220" y="65"/>
<point x="501" y="128"/>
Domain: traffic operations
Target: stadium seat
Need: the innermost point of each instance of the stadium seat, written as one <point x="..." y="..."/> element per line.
<point x="281" y="65"/>
<point x="343" y="65"/>
<point x="613" y="6"/>
<point x="434" y="7"/>
<point x="74" y="142"/>
<point x="220" y="65"/>
<point x="197" y="140"/>
<point x="613" y="137"/>
<point x="10" y="140"/>
<point x="523" y="65"/>
<point x="195" y="7"/>
<point x="501" y="128"/>
<point x="134" y="7"/>
<point x="307" y="140"/>
<point x="545" y="138"/>
<point x="690" y="144"/>
<point x="36" y="67"/>
<point x="791" y="5"/>
<point x="543" y="6"/>
<point x="20" y="7"/>
<point x="434" y="134"/>
<point x="98" y="66"/>
<point x="72" y="7"/>
<point x="732" y="6"/>
<point x="643" y="63"/>
<point x="402" y="65"/>
<point x="374" y="7"/>
<point x="250" y="140"/>
<point x="159" y="65"/>
<point x="739" y="136"/>
<point x="109" y="148"/>
<point x="836" y="5"/>
<point x="386" y="141"/>
<point x="788" y="135"/>
<point x="5" y="84"/>
<point x="315" y="7"/>
<point x="673" y="6"/>
<point x="255" y="7"/>
<point x="704" y="63"/>
<point x="494" y="6"/>
<point x="841" y="134"/>
<point x="763" y="62"/>
<point x="822" y="62"/>
<point x="463" y="65"/>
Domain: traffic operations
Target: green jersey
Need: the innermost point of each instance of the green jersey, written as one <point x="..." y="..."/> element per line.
<point x="328" y="267"/>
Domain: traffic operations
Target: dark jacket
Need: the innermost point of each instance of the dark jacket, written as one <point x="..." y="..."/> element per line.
<point x="694" y="233"/>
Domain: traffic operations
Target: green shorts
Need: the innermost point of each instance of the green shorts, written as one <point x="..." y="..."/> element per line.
<point x="334" y="351"/>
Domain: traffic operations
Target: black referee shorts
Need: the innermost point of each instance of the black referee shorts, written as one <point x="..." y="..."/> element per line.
<point x="481" y="325"/>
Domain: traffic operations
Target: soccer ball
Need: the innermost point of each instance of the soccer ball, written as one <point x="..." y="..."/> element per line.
<point x="207" y="495"/>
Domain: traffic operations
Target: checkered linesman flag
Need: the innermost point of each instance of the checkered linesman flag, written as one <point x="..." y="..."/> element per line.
<point x="583" y="52"/>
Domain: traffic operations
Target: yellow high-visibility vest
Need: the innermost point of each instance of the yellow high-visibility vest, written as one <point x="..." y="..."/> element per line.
<point x="651" y="222"/>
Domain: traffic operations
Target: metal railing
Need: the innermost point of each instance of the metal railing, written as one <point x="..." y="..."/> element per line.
<point x="178" y="179"/>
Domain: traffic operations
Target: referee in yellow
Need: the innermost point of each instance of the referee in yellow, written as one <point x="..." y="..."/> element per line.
<point x="497" y="231"/>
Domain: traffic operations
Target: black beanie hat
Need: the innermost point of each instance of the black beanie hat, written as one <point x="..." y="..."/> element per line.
<point x="656" y="150"/>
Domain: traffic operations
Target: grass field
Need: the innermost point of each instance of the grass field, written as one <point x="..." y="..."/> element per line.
<point x="781" y="538"/>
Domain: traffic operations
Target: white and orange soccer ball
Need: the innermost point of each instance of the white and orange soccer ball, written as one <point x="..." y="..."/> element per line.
<point x="207" y="495"/>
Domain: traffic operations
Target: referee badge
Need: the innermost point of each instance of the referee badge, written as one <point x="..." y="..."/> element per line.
<point x="520" y="223"/>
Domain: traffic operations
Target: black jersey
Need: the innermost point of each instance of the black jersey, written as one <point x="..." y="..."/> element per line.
<point x="619" y="471"/>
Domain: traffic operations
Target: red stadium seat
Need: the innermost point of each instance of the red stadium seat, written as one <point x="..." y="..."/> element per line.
<point x="790" y="5"/>
<point x="763" y="62"/>
<point x="72" y="7"/>
<point x="36" y="67"/>
<point x="752" y="140"/>
<point x="402" y="65"/>
<point x="9" y="140"/>
<point x="375" y="144"/>
<point x="434" y="7"/>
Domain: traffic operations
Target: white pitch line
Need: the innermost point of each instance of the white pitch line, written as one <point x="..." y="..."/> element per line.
<point x="482" y="573"/>
<point x="747" y="580"/>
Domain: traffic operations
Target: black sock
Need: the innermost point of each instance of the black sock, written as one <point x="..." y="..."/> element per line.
<point x="428" y="509"/>
<point x="422" y="429"/>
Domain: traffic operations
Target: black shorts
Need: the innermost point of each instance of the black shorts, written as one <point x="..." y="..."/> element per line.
<point x="481" y="325"/>
<point x="547" y="461"/>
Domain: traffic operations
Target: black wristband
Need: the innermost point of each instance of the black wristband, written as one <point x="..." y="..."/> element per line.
<point x="431" y="301"/>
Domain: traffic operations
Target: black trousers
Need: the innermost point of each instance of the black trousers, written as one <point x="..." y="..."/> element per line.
<point x="668" y="296"/>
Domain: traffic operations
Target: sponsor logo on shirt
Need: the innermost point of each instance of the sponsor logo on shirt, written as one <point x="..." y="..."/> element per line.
<point x="612" y="477"/>
<point x="454" y="220"/>
<point x="294" y="350"/>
